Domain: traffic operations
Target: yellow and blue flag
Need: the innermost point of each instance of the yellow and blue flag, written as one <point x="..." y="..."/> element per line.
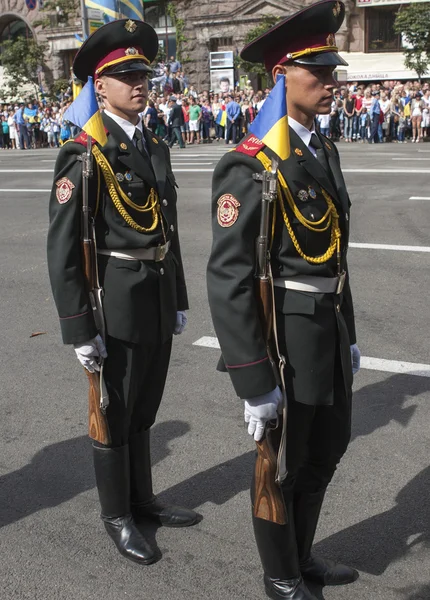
<point x="271" y="123"/>
<point x="84" y="112"/>
<point x="118" y="9"/>
<point x="221" y="118"/>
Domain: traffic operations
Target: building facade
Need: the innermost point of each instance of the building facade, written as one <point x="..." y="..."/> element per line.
<point x="195" y="29"/>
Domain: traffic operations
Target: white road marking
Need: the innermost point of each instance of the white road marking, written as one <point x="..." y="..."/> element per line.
<point x="391" y="171"/>
<point x="419" y="198"/>
<point x="390" y="247"/>
<point x="367" y="362"/>
<point x="19" y="190"/>
<point x="412" y="159"/>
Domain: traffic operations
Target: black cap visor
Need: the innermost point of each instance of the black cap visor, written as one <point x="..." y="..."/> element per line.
<point x="128" y="66"/>
<point x="323" y="59"/>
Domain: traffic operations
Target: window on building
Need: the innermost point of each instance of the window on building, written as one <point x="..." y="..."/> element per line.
<point x="13" y="29"/>
<point x="220" y="43"/>
<point x="380" y="36"/>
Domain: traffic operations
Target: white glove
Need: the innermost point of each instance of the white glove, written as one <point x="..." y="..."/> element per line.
<point x="259" y="410"/>
<point x="89" y="352"/>
<point x="181" y="321"/>
<point x="355" y="358"/>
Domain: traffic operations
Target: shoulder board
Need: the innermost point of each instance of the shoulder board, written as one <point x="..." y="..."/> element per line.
<point x="83" y="137"/>
<point x="250" y="146"/>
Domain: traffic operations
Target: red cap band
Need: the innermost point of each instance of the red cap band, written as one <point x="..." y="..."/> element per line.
<point x="275" y="56"/>
<point x="119" y="56"/>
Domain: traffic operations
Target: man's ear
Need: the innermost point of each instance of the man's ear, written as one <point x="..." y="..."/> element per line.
<point x="278" y="70"/>
<point x="100" y="87"/>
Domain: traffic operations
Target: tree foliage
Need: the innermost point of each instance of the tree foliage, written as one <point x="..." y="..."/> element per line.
<point x="22" y="60"/>
<point x="266" y="23"/>
<point x="412" y="22"/>
<point x="63" y="10"/>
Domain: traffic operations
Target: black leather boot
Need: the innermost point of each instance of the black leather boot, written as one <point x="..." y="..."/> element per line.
<point x="113" y="484"/>
<point x="307" y="508"/>
<point x="144" y="504"/>
<point x="278" y="553"/>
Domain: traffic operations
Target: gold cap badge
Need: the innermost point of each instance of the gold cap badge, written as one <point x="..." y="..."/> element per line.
<point x="130" y="52"/>
<point x="131" y="26"/>
<point x="336" y="9"/>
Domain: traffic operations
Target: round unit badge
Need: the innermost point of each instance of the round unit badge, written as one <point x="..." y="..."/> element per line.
<point x="128" y="176"/>
<point x="64" y="190"/>
<point x="120" y="177"/>
<point x="228" y="210"/>
<point x="302" y="195"/>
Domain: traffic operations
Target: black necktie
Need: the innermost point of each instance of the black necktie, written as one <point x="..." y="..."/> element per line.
<point x="321" y="157"/>
<point x="140" y="145"/>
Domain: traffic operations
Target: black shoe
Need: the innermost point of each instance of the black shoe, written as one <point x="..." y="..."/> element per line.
<point x="112" y="468"/>
<point x="167" y="515"/>
<point x="287" y="589"/>
<point x="129" y="541"/>
<point x="327" y="572"/>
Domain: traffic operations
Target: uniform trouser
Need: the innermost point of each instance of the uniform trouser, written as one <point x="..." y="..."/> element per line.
<point x="317" y="438"/>
<point x="135" y="376"/>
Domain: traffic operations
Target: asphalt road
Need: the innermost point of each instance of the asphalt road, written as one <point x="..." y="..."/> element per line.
<point x="376" y="517"/>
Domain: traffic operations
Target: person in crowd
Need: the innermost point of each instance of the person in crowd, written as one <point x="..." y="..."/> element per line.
<point x="358" y="103"/>
<point x="206" y="122"/>
<point x="21" y="128"/>
<point x="151" y="117"/>
<point x="324" y="124"/>
<point x="374" y="114"/>
<point x="348" y="112"/>
<point x="175" y="65"/>
<point x="185" y="128"/>
<point x="401" y="128"/>
<point x="216" y="108"/>
<point x="233" y="120"/>
<point x="364" y="125"/>
<point x="195" y="113"/>
<point x="5" y="130"/>
<point x="176" y="121"/>
<point x="385" y="104"/>
<point x="417" y="106"/>
<point x="250" y="114"/>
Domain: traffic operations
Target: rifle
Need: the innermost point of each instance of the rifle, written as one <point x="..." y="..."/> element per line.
<point x="269" y="502"/>
<point x="98" y="428"/>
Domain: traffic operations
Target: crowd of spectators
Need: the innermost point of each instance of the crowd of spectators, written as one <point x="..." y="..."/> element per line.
<point x="388" y="112"/>
<point x="34" y="125"/>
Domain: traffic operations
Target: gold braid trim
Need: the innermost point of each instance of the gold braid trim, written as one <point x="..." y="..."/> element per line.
<point x="115" y="192"/>
<point x="331" y="216"/>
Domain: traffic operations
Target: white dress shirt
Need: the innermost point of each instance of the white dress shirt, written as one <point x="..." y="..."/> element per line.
<point x="303" y="133"/>
<point x="128" y="127"/>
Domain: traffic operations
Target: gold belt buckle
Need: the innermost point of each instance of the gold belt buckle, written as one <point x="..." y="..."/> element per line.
<point x="340" y="282"/>
<point x="160" y="253"/>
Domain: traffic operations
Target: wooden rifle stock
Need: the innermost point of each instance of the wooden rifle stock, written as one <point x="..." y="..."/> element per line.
<point x="268" y="499"/>
<point x="98" y="429"/>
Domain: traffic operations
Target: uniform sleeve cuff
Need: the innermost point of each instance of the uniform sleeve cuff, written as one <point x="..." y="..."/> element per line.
<point x="78" y="329"/>
<point x="253" y="379"/>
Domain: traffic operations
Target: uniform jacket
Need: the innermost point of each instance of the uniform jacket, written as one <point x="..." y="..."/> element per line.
<point x="140" y="297"/>
<point x="314" y="329"/>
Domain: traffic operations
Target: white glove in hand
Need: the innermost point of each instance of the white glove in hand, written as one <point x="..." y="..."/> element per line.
<point x="355" y="358"/>
<point x="89" y="352"/>
<point x="181" y="321"/>
<point x="259" y="410"/>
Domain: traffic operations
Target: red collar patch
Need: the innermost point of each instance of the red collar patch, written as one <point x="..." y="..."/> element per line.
<point x="83" y="137"/>
<point x="250" y="146"/>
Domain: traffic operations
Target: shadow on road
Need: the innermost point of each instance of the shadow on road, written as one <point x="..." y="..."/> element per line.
<point x="373" y="544"/>
<point x="61" y="471"/>
<point x="376" y="405"/>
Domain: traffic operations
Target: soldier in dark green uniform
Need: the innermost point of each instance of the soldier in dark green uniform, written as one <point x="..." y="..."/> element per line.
<point x="314" y="310"/>
<point x="133" y="200"/>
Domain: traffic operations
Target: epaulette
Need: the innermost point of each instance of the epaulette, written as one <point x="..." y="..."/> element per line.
<point x="83" y="137"/>
<point x="250" y="146"/>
